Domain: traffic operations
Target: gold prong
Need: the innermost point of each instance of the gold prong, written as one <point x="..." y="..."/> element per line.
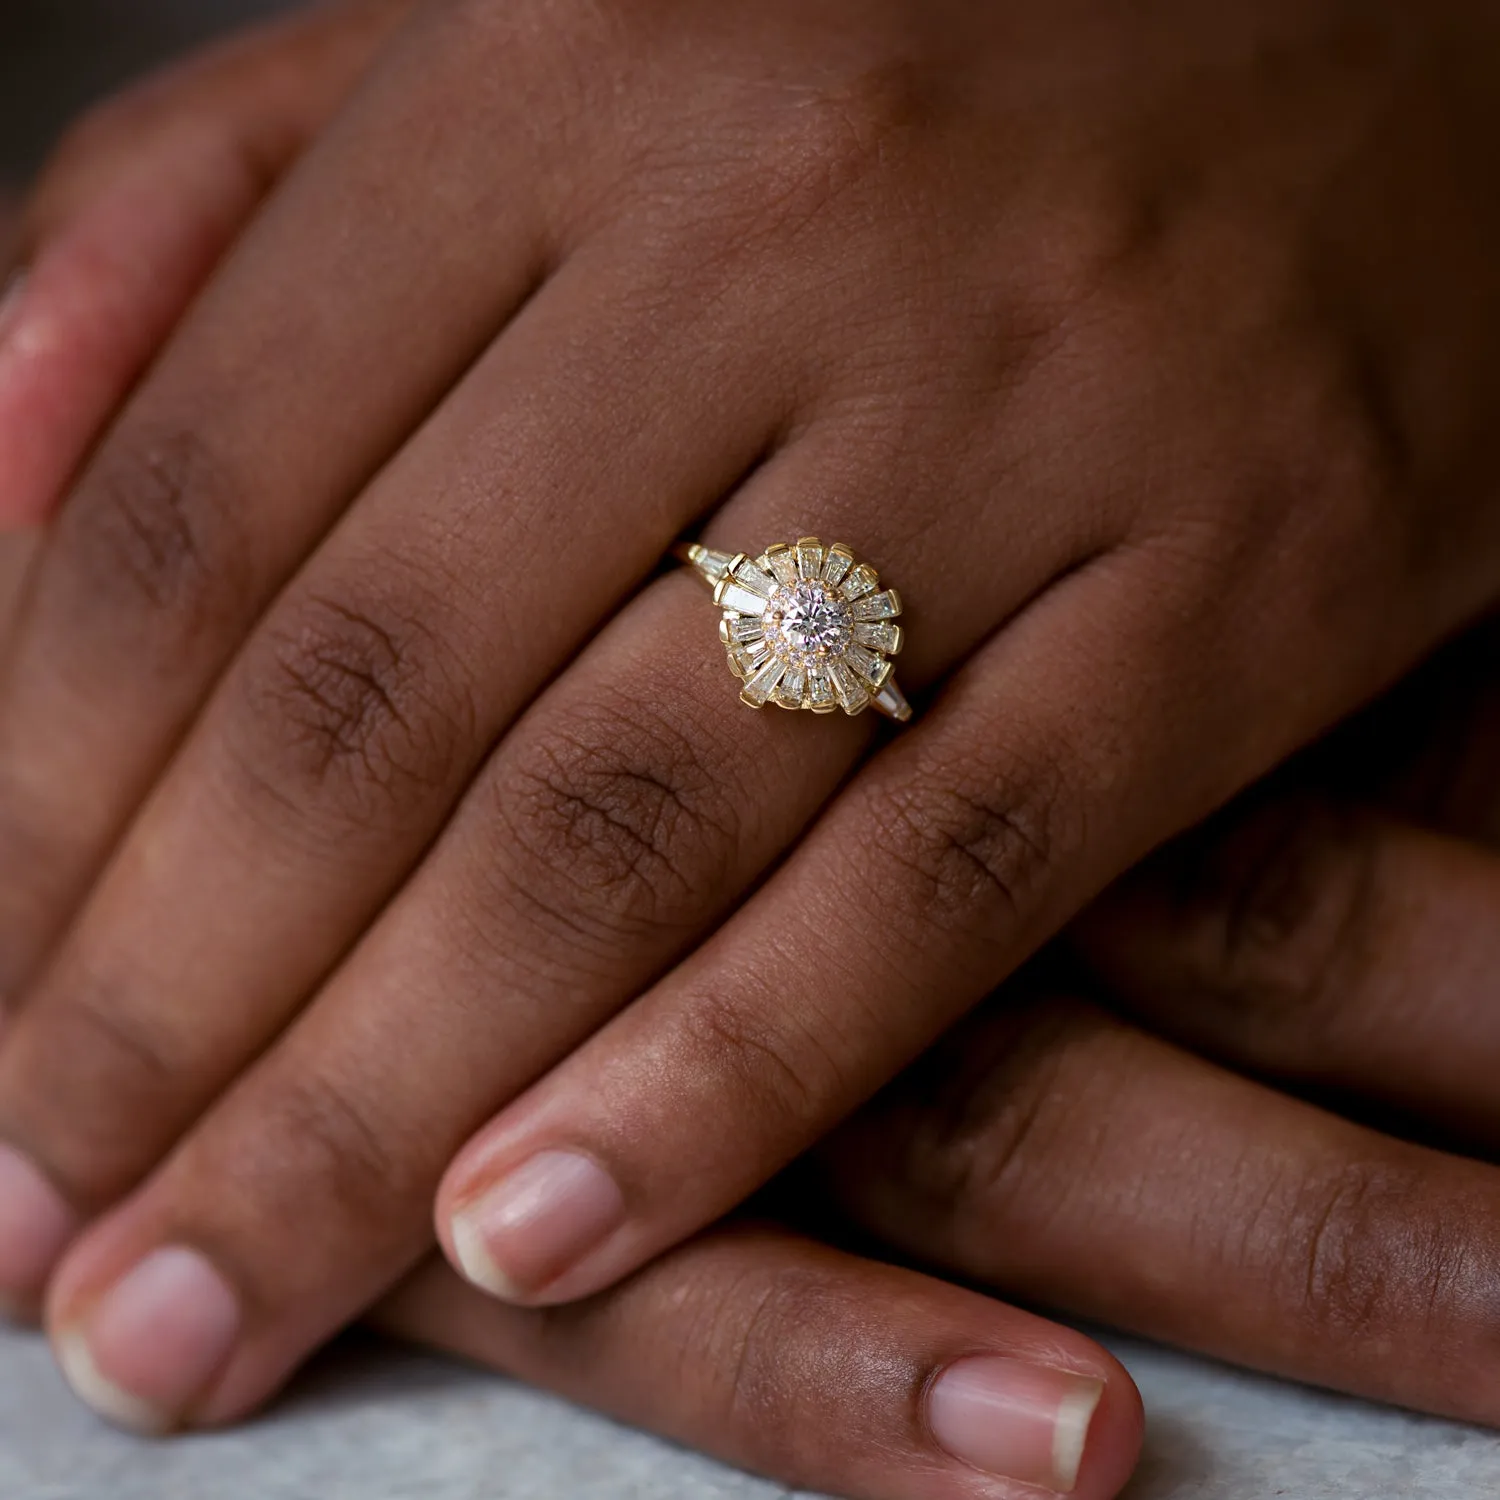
<point x="728" y="576"/>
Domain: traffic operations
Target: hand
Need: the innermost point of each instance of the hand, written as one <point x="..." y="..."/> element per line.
<point x="1172" y="533"/>
<point x="1325" y="938"/>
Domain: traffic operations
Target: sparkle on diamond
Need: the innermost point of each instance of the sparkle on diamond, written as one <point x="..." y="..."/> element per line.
<point x="808" y="622"/>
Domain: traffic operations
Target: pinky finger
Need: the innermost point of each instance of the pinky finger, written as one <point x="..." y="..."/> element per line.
<point x="818" y="1369"/>
<point x="140" y="204"/>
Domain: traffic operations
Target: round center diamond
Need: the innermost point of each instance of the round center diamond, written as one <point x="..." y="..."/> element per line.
<point x="809" y="622"/>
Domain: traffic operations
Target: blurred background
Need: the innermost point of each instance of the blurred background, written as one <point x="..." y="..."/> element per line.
<point x="58" y="55"/>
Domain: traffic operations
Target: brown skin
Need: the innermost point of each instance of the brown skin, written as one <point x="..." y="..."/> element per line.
<point x="1131" y="378"/>
<point x="1238" y="1220"/>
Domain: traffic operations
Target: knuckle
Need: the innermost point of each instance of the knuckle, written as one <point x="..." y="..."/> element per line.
<point x="775" y="1348"/>
<point x="966" y="853"/>
<point x="39" y="876"/>
<point x="616" y="822"/>
<point x="1322" y="455"/>
<point x="92" y="1023"/>
<point x="753" y="1048"/>
<point x="798" y="1309"/>
<point x="154" y="539"/>
<point x="1365" y="1255"/>
<point x="317" y="1134"/>
<point x="766" y="1310"/>
<point x="95" y="1082"/>
<point x="984" y="1117"/>
<point x="819" y="146"/>
<point x="356" y="709"/>
<point x="575" y="59"/>
<point x="1296" y="909"/>
<point x="1340" y="433"/>
<point x="844" y="130"/>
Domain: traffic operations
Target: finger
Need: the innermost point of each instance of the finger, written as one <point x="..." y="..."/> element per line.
<point x="1333" y="947"/>
<point x="941" y="868"/>
<point x="827" y="1373"/>
<point x="138" y="206"/>
<point x="188" y="519"/>
<point x="1238" y="1222"/>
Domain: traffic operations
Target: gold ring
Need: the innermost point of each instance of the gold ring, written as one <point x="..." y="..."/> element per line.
<point x="806" y="626"/>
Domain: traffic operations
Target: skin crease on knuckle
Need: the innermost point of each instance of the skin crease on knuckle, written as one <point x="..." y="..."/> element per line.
<point x="28" y="906"/>
<point x="329" y="1132"/>
<point x="614" y="824"/>
<point x="155" y="548"/>
<point x="1368" y="1256"/>
<point x="352" y="711"/>
<point x="1304" y="919"/>
<point x="968" y="850"/>
<point x="1276" y="917"/>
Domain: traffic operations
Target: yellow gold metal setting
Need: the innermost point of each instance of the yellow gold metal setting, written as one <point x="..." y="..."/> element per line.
<point x="806" y="626"/>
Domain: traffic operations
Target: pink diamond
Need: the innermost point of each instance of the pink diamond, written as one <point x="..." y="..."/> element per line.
<point x="809" y="622"/>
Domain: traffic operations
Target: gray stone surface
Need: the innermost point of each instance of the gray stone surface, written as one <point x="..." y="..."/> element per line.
<point x="375" y="1422"/>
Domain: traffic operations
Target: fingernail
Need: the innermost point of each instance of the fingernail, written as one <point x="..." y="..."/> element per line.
<point x="1014" y="1420"/>
<point x="36" y="1226"/>
<point x="530" y="1227"/>
<point x="147" y="1350"/>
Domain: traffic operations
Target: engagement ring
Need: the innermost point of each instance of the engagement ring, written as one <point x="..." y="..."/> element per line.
<point x="806" y="626"/>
